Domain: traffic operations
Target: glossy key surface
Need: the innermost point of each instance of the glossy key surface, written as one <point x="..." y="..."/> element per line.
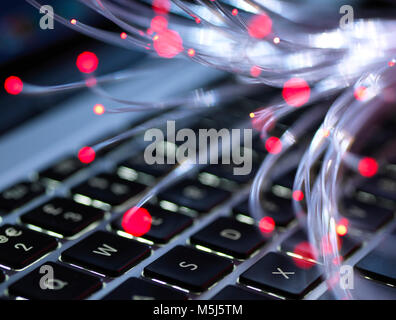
<point x="63" y="216"/>
<point x="142" y="289"/>
<point x="279" y="273"/>
<point x="106" y="253"/>
<point x="20" y="247"/>
<point x="52" y="281"/>
<point x="189" y="268"/>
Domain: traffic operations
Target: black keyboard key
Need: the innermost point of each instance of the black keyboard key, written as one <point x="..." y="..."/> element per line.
<point x="380" y="186"/>
<point x="138" y="164"/>
<point x="18" y="195"/>
<point x="109" y="189"/>
<point x="365" y="216"/>
<point x="142" y="289"/>
<point x="380" y="264"/>
<point x="63" y="216"/>
<point x="189" y="268"/>
<point x="298" y="243"/>
<point x="230" y="236"/>
<point x="237" y="293"/>
<point x="227" y="171"/>
<point x="279" y="274"/>
<point x="364" y="289"/>
<point x="279" y="209"/>
<point x="164" y="224"/>
<point x="195" y="195"/>
<point x="63" y="169"/>
<point x="66" y="284"/>
<point x="286" y="180"/>
<point x="19" y="247"/>
<point x="106" y="253"/>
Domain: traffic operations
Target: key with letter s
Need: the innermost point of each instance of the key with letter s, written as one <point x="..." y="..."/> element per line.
<point x="189" y="268"/>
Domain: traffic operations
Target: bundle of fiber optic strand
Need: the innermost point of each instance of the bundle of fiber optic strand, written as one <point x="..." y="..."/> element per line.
<point x="310" y="52"/>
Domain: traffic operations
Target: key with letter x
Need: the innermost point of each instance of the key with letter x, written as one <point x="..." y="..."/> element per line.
<point x="282" y="274"/>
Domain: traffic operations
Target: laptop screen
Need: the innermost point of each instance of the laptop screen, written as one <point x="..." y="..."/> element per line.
<point x="47" y="57"/>
<point x="21" y="32"/>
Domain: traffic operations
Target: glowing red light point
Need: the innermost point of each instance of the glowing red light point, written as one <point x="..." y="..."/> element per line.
<point x="73" y="21"/>
<point x="260" y="26"/>
<point x="273" y="145"/>
<point x="136" y="221"/>
<point x="307" y="251"/>
<point x="161" y="6"/>
<point x="87" y="62"/>
<point x="191" y="52"/>
<point x="298" y="195"/>
<point x="341" y="229"/>
<point x="255" y="71"/>
<point x="234" y="12"/>
<point x="91" y="82"/>
<point x="99" y="109"/>
<point x="267" y="224"/>
<point x="368" y="167"/>
<point x="391" y="63"/>
<point x="360" y="93"/>
<point x="197" y="20"/>
<point x="159" y="24"/>
<point x="296" y="92"/>
<point x="123" y="35"/>
<point x="86" y="155"/>
<point x="13" y="85"/>
<point x="168" y="44"/>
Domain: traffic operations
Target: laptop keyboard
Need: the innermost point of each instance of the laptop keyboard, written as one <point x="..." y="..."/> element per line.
<point x="203" y="242"/>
